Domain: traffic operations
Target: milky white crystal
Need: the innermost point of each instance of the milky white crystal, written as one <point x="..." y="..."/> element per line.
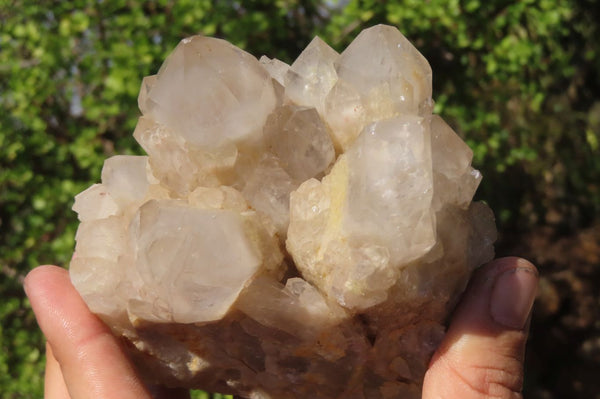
<point x="295" y="231"/>
<point x="217" y="100"/>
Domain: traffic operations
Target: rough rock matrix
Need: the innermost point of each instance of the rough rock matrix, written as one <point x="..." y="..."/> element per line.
<point x="295" y="231"/>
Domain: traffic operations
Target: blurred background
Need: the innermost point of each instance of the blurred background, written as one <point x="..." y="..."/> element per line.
<point x="518" y="80"/>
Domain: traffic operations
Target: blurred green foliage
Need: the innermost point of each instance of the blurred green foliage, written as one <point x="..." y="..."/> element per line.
<point x="517" y="79"/>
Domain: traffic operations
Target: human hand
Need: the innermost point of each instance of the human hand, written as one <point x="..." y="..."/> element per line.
<point x="480" y="357"/>
<point x="83" y="358"/>
<point x="482" y="353"/>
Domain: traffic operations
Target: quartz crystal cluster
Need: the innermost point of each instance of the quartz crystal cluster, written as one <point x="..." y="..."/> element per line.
<point x="295" y="231"/>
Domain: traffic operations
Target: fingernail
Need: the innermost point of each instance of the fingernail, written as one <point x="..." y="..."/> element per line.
<point x="512" y="297"/>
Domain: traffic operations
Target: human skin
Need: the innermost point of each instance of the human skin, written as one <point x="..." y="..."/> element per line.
<point x="480" y="357"/>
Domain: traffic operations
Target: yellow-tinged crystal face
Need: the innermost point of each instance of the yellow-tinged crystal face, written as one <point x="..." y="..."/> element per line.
<point x="294" y="231"/>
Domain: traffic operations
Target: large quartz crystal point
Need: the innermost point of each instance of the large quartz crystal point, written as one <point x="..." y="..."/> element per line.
<point x="199" y="95"/>
<point x="380" y="75"/>
<point x="385" y="68"/>
<point x="197" y="112"/>
<point x="391" y="187"/>
<point x="350" y="234"/>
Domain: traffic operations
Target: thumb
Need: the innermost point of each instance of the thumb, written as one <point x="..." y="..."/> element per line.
<point x="482" y="353"/>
